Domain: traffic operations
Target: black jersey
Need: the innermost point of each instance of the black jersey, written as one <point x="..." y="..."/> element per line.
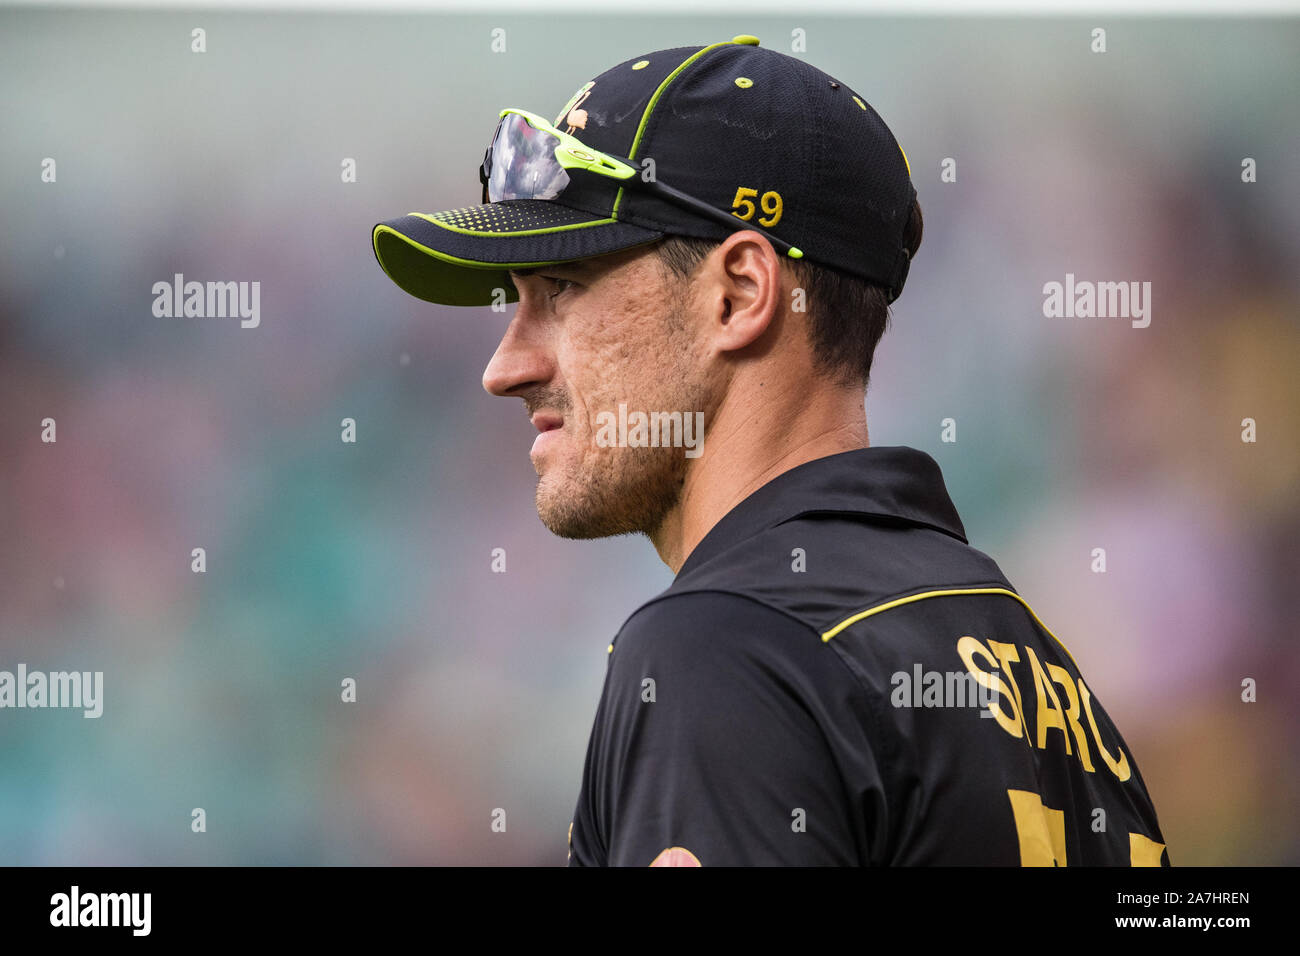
<point x="837" y="677"/>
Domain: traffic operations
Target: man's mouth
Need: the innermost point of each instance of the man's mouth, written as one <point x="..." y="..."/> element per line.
<point x="546" y="422"/>
<point x="549" y="427"/>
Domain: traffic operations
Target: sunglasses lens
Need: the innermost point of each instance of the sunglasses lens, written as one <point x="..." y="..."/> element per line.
<point x="521" y="163"/>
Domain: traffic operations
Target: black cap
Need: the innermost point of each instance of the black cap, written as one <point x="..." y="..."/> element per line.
<point x="729" y="124"/>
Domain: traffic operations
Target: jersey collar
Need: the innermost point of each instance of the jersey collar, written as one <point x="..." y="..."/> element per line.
<point x="890" y="482"/>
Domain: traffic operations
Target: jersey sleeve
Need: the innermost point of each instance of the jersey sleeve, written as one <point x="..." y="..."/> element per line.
<point x="729" y="734"/>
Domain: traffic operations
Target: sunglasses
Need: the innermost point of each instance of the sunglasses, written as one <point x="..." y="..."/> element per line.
<point x="530" y="159"/>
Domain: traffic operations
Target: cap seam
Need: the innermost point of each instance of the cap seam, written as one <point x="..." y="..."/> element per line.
<point x="643" y="125"/>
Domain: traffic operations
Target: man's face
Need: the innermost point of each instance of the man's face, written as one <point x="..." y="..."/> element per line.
<point x="585" y="338"/>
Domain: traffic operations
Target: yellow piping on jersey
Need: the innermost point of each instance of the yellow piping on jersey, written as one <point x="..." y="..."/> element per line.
<point x="897" y="602"/>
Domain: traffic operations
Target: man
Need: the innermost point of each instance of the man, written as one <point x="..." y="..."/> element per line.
<point x="711" y="236"/>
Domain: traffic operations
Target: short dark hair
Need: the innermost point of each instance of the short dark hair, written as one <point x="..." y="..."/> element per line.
<point x="847" y="315"/>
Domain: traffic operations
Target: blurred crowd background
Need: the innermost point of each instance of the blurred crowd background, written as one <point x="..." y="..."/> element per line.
<point x="476" y="690"/>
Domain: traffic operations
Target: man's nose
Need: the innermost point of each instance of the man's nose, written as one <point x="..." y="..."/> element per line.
<point x="520" y="360"/>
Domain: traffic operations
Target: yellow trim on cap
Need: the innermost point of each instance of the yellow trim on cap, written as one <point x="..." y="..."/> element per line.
<point x="384" y="229"/>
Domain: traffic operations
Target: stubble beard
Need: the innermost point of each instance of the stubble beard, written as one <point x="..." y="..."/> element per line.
<point x="624" y="491"/>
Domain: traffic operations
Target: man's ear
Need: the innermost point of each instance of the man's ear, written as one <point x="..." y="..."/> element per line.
<point x="741" y="282"/>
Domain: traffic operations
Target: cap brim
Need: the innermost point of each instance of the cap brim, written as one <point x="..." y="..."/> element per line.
<point x="460" y="257"/>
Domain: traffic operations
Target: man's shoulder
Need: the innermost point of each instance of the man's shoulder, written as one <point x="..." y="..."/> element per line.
<point x="720" y="717"/>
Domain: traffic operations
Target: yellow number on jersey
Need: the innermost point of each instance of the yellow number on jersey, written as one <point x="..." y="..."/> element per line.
<point x="1042" y="834"/>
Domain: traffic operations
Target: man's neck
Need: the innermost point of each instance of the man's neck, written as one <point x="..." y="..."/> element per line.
<point x="745" y="448"/>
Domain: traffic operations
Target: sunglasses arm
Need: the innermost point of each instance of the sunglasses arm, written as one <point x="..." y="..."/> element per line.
<point x="717" y="215"/>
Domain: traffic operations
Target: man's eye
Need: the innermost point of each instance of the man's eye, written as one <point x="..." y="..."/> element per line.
<point x="557" y="285"/>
